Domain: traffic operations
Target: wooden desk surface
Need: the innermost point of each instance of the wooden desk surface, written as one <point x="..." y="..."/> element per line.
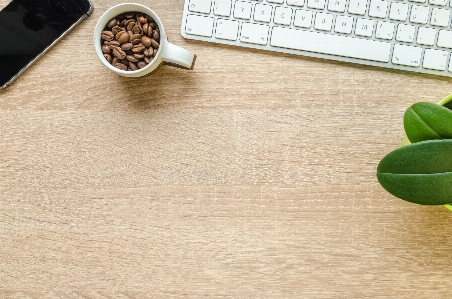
<point x="252" y="176"/>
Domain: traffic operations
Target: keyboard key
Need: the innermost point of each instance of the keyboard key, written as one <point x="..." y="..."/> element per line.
<point x="450" y="66"/>
<point x="323" y="21"/>
<point x="385" y="30"/>
<point x="419" y="14"/>
<point x="222" y="8"/>
<point x="276" y="1"/>
<point x="321" y="43"/>
<point x="435" y="59"/>
<point x="254" y="33"/>
<point x="445" y="39"/>
<point x="378" y="8"/>
<point x="337" y="5"/>
<point x="426" y="36"/>
<point x="357" y="7"/>
<point x="283" y="15"/>
<point x="344" y="24"/>
<point x="399" y="11"/>
<point x="242" y="10"/>
<point x="406" y="55"/>
<point x="295" y="2"/>
<point x="227" y="29"/>
<point x="317" y="4"/>
<point x="303" y="18"/>
<point x="417" y="1"/>
<point x="263" y="13"/>
<point x="438" y="2"/>
<point x="440" y="17"/>
<point x="405" y="33"/>
<point x="202" y="6"/>
<point x="364" y="27"/>
<point x="199" y="25"/>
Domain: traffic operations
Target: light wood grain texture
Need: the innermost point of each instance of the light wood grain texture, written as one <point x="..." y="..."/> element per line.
<point x="252" y="176"/>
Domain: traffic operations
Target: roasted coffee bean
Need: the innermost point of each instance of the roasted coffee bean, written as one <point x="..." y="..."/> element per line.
<point x="116" y="29"/>
<point x="135" y="39"/>
<point x="127" y="46"/>
<point x="153" y="25"/>
<point x="129" y="15"/>
<point x="142" y="64"/>
<point x="133" y="66"/>
<point x="127" y="22"/>
<point x="138" y="55"/>
<point x="142" y="20"/>
<point x="148" y="51"/>
<point x="145" y="28"/>
<point x="129" y="52"/>
<point x="132" y="58"/>
<point x="138" y="48"/>
<point x="148" y="59"/>
<point x="120" y="66"/>
<point x="146" y="41"/>
<point x="154" y="43"/>
<point x="137" y="29"/>
<point x="123" y="37"/>
<point x="119" y="53"/>
<point x="155" y="52"/>
<point x="130" y="25"/>
<point x="155" y="35"/>
<point x="112" y="23"/>
<point x="107" y="35"/>
<point x="112" y="43"/>
<point x="106" y="49"/>
<point x="115" y="60"/>
<point x="108" y="57"/>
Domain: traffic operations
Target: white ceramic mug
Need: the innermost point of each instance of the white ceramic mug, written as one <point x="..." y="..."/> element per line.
<point x="168" y="53"/>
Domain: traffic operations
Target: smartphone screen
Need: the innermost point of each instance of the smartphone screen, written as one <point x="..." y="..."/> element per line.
<point x="29" y="27"/>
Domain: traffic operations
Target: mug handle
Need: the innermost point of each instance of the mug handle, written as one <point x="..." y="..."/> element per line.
<point x="178" y="57"/>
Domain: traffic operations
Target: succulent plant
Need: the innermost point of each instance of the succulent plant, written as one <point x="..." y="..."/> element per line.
<point x="427" y="121"/>
<point x="421" y="172"/>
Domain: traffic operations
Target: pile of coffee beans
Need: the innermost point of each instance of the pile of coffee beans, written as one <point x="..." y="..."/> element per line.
<point x="130" y="41"/>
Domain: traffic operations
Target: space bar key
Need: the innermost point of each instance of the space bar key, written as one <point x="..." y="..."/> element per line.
<point x="330" y="44"/>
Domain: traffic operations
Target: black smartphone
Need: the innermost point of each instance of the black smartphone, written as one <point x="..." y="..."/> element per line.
<point x="30" y="28"/>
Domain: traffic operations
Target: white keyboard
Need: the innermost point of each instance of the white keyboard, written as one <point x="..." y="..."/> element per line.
<point x="412" y="35"/>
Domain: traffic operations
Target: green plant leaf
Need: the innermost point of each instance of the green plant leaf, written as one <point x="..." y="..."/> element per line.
<point x="419" y="173"/>
<point x="427" y="121"/>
